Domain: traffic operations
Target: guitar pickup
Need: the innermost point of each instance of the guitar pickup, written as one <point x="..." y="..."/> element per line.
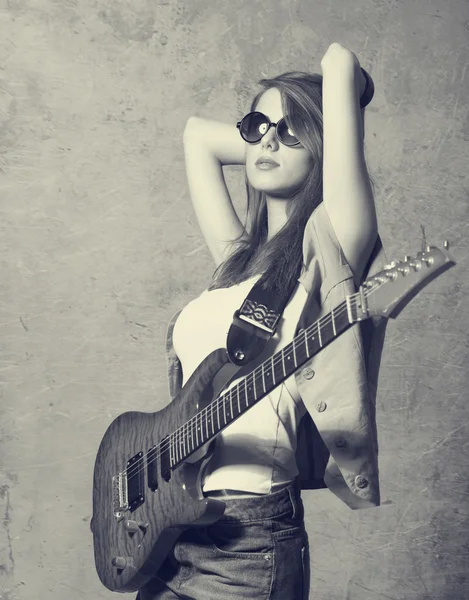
<point x="152" y="469"/>
<point x="165" y="458"/>
<point x="135" y="476"/>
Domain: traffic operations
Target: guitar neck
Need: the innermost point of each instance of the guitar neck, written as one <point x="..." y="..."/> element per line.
<point x="242" y="396"/>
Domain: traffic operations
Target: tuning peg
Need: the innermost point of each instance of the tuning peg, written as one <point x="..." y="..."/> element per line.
<point x="446" y="244"/>
<point x="407" y="258"/>
<point x="427" y="248"/>
<point x="428" y="260"/>
<point x="415" y="264"/>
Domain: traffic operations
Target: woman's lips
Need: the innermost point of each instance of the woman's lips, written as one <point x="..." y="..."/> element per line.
<point x="266" y="163"/>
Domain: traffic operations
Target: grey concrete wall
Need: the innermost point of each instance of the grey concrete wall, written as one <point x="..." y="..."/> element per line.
<point x="99" y="247"/>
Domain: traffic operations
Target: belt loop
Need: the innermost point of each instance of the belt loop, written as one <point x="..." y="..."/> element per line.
<point x="292" y="495"/>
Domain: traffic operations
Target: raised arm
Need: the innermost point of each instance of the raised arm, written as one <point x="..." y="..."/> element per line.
<point x="208" y="145"/>
<point x="347" y="192"/>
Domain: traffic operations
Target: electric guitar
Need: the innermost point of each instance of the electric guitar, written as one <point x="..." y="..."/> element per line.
<point x="147" y="486"/>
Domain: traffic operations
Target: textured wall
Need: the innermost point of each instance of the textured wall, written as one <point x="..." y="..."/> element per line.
<point x="99" y="247"/>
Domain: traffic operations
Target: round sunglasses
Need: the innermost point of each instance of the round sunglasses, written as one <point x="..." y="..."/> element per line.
<point x="255" y="125"/>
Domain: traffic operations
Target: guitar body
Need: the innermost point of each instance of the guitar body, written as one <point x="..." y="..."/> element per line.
<point x="128" y="555"/>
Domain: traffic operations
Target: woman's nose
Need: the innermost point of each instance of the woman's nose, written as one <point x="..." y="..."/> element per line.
<point x="269" y="138"/>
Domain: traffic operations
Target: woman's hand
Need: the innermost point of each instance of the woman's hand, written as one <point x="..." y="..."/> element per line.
<point x="340" y="57"/>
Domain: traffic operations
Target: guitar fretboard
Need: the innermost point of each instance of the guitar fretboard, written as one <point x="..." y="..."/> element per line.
<point x="231" y="404"/>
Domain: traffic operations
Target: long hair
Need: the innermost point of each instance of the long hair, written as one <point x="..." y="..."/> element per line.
<point x="281" y="256"/>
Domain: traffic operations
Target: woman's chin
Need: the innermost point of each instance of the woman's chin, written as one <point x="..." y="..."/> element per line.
<point x="274" y="191"/>
<point x="263" y="183"/>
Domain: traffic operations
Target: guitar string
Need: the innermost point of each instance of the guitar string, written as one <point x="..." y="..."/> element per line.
<point x="176" y="437"/>
<point x="200" y="420"/>
<point x="257" y="374"/>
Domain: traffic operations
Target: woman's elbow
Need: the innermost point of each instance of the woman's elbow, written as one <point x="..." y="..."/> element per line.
<point x="190" y="129"/>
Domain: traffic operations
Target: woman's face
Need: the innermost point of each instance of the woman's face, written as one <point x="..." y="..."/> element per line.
<point x="294" y="163"/>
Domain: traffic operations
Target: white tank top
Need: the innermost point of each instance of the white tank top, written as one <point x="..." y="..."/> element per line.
<point x="255" y="453"/>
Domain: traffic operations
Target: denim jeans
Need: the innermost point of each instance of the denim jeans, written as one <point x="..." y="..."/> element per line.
<point x="257" y="550"/>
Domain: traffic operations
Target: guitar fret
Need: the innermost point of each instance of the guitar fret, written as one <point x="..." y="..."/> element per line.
<point x="272" y="366"/>
<point x="294" y="353"/>
<point x="231" y="401"/>
<point x="176" y="449"/>
<point x="306" y="343"/>
<point x="263" y="377"/>
<point x="192" y="437"/>
<point x="206" y="425"/>
<point x="171" y="461"/>
<point x="333" y="322"/>
<point x="348" y="301"/>
<point x="319" y="333"/>
<point x="183" y="443"/>
<point x="283" y="364"/>
<point x="253" y="385"/>
<point x="245" y="394"/>
<point x="180" y="439"/>
<point x="180" y="442"/>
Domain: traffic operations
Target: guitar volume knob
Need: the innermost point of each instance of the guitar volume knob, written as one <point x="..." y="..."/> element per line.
<point x="131" y="526"/>
<point x="134" y="526"/>
<point x="119" y="561"/>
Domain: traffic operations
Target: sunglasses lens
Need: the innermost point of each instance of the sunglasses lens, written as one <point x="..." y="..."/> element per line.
<point x="253" y="127"/>
<point x="285" y="134"/>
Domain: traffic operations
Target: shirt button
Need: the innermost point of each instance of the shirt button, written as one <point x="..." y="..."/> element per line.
<point x="321" y="406"/>
<point x="308" y="373"/>
<point x="361" y="481"/>
<point x="340" y="443"/>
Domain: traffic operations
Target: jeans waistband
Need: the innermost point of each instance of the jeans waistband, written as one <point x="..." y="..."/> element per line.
<point x="266" y="506"/>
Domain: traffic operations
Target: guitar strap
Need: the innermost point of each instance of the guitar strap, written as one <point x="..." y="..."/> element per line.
<point x="255" y="322"/>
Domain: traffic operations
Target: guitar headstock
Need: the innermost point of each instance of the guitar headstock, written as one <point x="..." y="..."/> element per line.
<point x="387" y="292"/>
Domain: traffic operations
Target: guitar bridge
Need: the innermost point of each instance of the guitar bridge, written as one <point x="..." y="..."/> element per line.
<point x="120" y="494"/>
<point x="127" y="487"/>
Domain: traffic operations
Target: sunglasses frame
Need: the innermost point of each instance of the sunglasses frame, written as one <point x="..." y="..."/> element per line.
<point x="270" y="123"/>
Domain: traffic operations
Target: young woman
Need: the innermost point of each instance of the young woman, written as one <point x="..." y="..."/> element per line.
<point x="311" y="226"/>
